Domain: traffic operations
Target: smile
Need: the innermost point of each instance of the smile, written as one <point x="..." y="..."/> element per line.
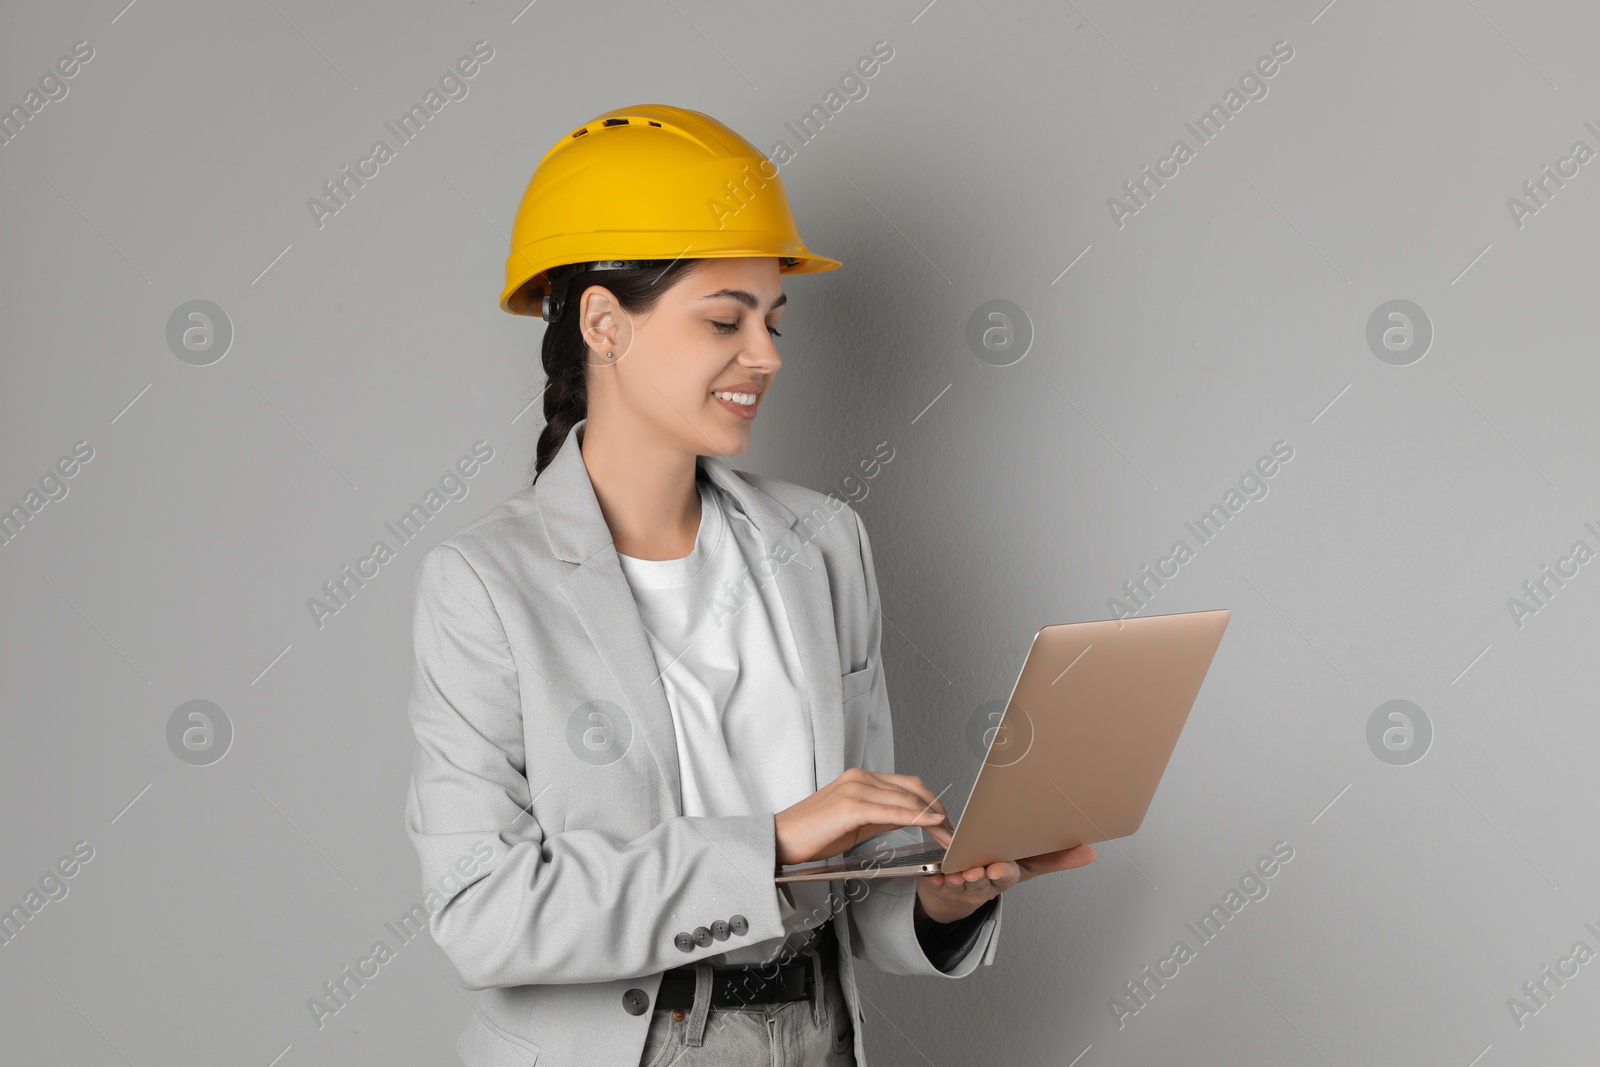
<point x="741" y="404"/>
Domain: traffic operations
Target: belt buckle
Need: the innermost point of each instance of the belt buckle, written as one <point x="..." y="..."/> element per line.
<point x="803" y="966"/>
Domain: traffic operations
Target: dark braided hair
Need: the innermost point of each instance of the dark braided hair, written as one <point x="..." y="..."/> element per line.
<point x="566" y="355"/>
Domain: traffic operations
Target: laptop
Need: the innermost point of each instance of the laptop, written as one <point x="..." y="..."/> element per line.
<point x="1077" y="753"/>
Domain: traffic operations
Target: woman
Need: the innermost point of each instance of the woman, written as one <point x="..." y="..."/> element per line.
<point x="649" y="679"/>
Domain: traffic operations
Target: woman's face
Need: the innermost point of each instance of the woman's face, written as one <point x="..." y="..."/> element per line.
<point x="711" y="332"/>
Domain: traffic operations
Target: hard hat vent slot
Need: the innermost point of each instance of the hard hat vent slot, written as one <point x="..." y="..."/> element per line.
<point x="655" y="123"/>
<point x="616" y="122"/>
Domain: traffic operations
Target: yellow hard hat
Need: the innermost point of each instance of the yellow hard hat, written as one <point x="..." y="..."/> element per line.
<point x="651" y="182"/>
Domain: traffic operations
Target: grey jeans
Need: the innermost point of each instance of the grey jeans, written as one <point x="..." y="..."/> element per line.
<point x="800" y="1033"/>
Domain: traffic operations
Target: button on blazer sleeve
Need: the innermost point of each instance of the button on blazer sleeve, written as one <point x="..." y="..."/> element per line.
<point x="881" y="909"/>
<point x="572" y="906"/>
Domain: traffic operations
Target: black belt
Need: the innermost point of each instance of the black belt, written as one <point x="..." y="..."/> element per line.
<point x="757" y="983"/>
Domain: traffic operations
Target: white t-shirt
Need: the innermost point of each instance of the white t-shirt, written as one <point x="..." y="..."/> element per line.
<point x="735" y="686"/>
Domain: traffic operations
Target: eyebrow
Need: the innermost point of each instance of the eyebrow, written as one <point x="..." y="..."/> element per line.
<point x="746" y="298"/>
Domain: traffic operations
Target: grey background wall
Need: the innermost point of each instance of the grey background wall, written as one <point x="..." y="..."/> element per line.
<point x="1147" y="358"/>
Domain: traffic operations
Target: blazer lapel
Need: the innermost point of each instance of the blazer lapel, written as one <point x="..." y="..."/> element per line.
<point x="599" y="594"/>
<point x="802" y="581"/>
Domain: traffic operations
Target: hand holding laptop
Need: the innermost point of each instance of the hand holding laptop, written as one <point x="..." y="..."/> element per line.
<point x="948" y="898"/>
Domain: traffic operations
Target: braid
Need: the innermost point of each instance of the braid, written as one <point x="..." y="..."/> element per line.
<point x="566" y="400"/>
<point x="565" y="354"/>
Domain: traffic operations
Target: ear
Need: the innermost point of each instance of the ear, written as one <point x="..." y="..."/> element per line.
<point x="600" y="319"/>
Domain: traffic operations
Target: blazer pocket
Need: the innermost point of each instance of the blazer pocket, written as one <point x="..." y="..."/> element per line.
<point x="856" y="683"/>
<point x="483" y="1044"/>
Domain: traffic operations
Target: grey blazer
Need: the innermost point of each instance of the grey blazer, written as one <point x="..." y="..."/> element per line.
<point x="561" y="876"/>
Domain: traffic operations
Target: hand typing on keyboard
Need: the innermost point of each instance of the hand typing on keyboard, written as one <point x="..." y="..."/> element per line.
<point x="853" y="807"/>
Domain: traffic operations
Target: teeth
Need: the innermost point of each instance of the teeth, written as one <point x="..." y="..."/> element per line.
<point x="745" y="399"/>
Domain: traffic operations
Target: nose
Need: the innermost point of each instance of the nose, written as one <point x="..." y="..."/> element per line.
<point x="762" y="355"/>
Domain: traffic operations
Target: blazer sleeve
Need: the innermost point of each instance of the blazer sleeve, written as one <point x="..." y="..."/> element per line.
<point x="515" y="904"/>
<point x="881" y="909"/>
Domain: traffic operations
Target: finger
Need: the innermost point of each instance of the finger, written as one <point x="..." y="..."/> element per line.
<point x="1080" y="856"/>
<point x="874" y="819"/>
<point x="911" y="801"/>
<point x="1004" y="874"/>
<point x="910" y="783"/>
<point x="974" y="878"/>
<point x="901" y="809"/>
<point x="1065" y="860"/>
<point x="1077" y="856"/>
